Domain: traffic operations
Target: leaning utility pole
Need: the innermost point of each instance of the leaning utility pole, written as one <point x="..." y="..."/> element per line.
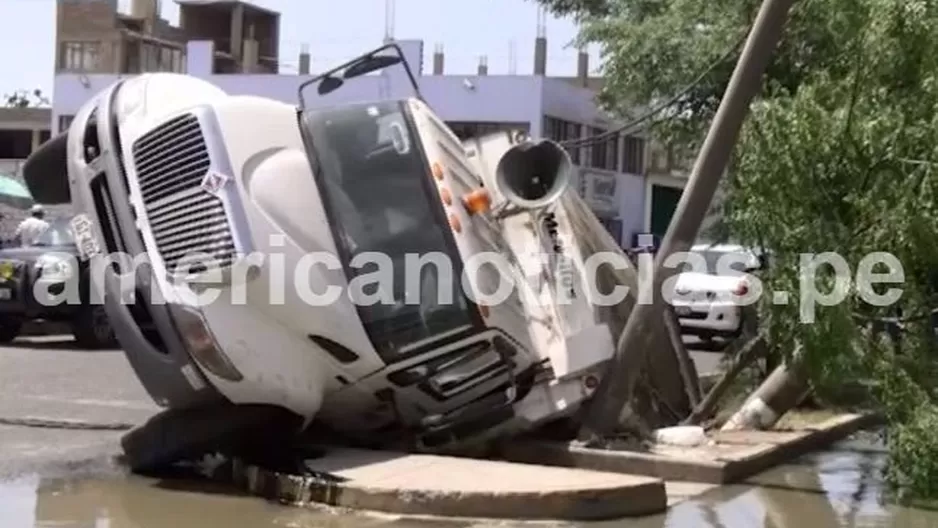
<point x="616" y="388"/>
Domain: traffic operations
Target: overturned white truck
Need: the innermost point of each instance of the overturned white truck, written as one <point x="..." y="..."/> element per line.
<point x="168" y="166"/>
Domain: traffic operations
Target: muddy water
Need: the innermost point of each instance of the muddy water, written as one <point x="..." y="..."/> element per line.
<point x="837" y="488"/>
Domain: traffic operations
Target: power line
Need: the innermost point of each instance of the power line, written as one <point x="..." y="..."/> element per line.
<point x="583" y="142"/>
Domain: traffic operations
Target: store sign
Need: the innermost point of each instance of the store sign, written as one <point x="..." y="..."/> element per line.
<point x="601" y="191"/>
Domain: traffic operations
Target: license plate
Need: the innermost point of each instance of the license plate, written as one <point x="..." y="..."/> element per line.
<point x="6" y="294"/>
<point x="682" y="311"/>
<point x="83" y="229"/>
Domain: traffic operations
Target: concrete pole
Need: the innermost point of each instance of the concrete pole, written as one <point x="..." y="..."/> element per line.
<point x="616" y="388"/>
<point x="236" y="37"/>
<point x="785" y="388"/>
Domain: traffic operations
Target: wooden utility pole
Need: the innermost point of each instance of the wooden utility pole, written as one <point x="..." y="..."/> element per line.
<point x="616" y="388"/>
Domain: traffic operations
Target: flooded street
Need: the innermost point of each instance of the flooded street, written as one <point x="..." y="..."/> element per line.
<point x="65" y="478"/>
<point x="837" y="488"/>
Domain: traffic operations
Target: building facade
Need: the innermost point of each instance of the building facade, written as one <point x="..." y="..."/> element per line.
<point x="612" y="173"/>
<point x="22" y="130"/>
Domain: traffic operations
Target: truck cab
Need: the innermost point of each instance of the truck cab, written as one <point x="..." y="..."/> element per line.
<point x="335" y="261"/>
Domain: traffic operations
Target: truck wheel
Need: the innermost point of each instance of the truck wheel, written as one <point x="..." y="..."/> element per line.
<point x="176" y="435"/>
<point x="92" y="329"/>
<point x="9" y="330"/>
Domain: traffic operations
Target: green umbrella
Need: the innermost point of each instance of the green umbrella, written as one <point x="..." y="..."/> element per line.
<point x="14" y="193"/>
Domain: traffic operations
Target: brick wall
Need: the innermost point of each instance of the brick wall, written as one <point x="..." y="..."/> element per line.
<point x="89" y="21"/>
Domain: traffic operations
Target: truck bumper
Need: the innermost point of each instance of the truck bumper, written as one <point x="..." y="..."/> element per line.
<point x="145" y="329"/>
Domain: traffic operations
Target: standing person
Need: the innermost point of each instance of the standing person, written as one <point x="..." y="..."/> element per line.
<point x="32" y="227"/>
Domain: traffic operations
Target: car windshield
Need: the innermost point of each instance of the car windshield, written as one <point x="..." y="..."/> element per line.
<point x="739" y="260"/>
<point x="58" y="234"/>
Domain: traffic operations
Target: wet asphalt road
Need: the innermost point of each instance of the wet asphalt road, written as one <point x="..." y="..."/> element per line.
<point x="55" y="478"/>
<point x="48" y="379"/>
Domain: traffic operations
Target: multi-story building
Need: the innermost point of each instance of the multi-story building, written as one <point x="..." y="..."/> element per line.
<point x="233" y="44"/>
<point x="94" y="38"/>
<point x="22" y="130"/>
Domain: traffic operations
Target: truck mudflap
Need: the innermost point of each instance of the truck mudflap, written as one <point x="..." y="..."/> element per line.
<point x="145" y="329"/>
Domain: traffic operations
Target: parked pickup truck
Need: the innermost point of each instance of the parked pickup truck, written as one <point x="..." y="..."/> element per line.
<point x="33" y="280"/>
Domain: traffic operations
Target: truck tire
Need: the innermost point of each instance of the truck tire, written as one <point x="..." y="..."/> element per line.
<point x="176" y="435"/>
<point x="9" y="330"/>
<point x="91" y="328"/>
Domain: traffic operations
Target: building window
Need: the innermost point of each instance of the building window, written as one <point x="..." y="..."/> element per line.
<point x="156" y="58"/>
<point x="178" y="61"/>
<point x="633" y="155"/>
<point x="151" y="58"/>
<point x="81" y="56"/>
<point x="469" y="129"/>
<point x="604" y="153"/>
<point x="560" y="131"/>
<point x="166" y="59"/>
<point x="597" y="149"/>
<point x="65" y="121"/>
<point x="574" y="131"/>
<point x="612" y="153"/>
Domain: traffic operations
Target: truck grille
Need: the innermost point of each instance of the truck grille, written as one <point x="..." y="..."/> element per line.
<point x="185" y="220"/>
<point x="458" y="371"/>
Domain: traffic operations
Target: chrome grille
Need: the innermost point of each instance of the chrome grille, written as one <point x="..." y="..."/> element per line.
<point x="486" y="364"/>
<point x="171" y="162"/>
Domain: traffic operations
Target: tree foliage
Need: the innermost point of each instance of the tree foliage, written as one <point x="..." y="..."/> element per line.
<point x="26" y="99"/>
<point x="840" y="154"/>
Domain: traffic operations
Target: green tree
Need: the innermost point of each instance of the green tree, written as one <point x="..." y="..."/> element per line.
<point x="839" y="155"/>
<point x="26" y="99"/>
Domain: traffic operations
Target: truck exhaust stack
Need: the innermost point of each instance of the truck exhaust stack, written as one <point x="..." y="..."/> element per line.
<point x="533" y="174"/>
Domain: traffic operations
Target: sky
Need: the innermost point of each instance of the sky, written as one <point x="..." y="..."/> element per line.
<point x="334" y="31"/>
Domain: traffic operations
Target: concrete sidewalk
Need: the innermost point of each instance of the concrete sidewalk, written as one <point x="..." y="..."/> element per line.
<point x="447" y="486"/>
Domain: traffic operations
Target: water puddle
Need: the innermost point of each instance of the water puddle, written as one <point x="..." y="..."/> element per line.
<point x="144" y="503"/>
<point x="841" y="487"/>
<point x="836" y="488"/>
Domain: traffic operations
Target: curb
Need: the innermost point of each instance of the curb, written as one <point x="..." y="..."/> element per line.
<point x="763" y="450"/>
<point x="40" y="422"/>
<point x="602" y="496"/>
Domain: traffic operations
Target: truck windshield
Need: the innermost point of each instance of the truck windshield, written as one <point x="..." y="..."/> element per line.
<point x="376" y="185"/>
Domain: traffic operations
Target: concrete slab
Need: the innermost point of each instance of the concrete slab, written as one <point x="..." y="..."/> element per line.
<point x="415" y="484"/>
<point x="680" y="491"/>
<point x="729" y="457"/>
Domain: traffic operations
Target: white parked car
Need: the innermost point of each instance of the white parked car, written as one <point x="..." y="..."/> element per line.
<point x="708" y="303"/>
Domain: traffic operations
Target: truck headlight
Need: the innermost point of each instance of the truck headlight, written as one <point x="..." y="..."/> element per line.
<point x="55" y="268"/>
<point x="201" y="343"/>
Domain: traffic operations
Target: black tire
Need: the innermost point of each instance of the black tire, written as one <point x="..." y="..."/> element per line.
<point x="91" y="328"/>
<point x="10" y="330"/>
<point x="177" y="435"/>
